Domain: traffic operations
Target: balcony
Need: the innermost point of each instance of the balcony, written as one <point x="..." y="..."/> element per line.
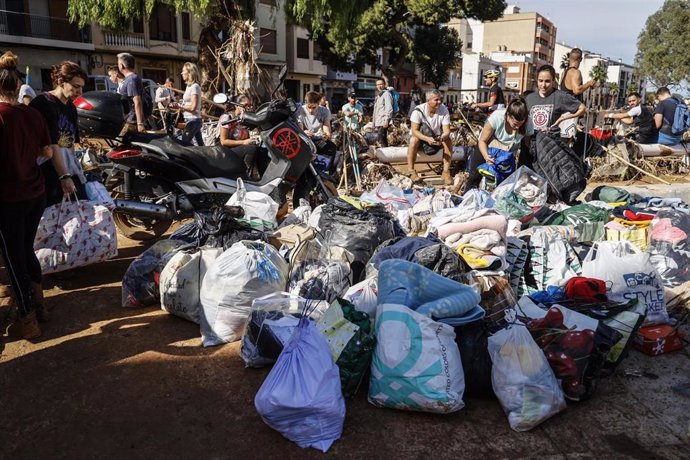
<point x="39" y="27"/>
<point x="124" y="40"/>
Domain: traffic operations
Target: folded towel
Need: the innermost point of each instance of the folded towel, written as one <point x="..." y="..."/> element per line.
<point x="493" y="222"/>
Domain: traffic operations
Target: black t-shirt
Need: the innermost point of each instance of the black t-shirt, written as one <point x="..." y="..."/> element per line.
<point x="23" y="133"/>
<point x="544" y="111"/>
<point x="499" y="95"/>
<point x="61" y="119"/>
<point x="646" y="131"/>
<point x="562" y="86"/>
<point x="667" y="108"/>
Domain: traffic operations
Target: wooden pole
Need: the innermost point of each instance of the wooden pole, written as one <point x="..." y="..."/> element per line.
<point x="623" y="160"/>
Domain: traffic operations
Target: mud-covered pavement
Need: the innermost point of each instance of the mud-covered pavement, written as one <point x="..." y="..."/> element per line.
<point x="108" y="382"/>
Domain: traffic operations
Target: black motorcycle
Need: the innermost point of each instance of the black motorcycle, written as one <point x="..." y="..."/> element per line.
<point x="159" y="181"/>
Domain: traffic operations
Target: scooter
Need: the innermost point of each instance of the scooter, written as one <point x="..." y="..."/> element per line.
<point x="163" y="181"/>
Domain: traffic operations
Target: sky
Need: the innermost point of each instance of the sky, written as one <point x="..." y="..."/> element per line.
<point x="609" y="27"/>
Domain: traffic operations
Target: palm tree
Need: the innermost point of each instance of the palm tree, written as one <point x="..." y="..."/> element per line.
<point x="614" y="89"/>
<point x="599" y="74"/>
<point x="564" y="62"/>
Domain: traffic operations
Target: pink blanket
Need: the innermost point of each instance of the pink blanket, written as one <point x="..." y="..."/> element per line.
<point x="492" y="222"/>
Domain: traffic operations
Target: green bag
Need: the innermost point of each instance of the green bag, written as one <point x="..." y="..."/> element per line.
<point x="587" y="219"/>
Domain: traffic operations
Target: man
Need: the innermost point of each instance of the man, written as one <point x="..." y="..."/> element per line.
<point x="664" y="113"/>
<point x="353" y="112"/>
<point x="324" y="103"/>
<point x="641" y="116"/>
<point x="496" y="99"/>
<point x="116" y="77"/>
<point x="315" y="121"/>
<point x="383" y="111"/>
<point x="571" y="82"/>
<point x="132" y="87"/>
<point x="164" y="96"/>
<point x="434" y="115"/>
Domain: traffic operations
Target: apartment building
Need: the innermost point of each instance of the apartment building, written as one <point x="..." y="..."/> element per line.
<point x="161" y="44"/>
<point x="306" y="72"/>
<point x="40" y="34"/>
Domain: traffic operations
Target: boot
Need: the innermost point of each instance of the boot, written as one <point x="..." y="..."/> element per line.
<point x="37" y="297"/>
<point x="25" y="327"/>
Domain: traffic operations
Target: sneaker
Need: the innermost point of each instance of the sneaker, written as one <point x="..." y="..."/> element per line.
<point x="26" y="327"/>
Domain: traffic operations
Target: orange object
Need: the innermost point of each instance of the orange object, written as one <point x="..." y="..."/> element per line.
<point x="656" y="340"/>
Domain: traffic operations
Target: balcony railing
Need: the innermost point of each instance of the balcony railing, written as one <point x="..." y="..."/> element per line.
<point x="46" y="27"/>
<point x="189" y="46"/>
<point x="124" y="40"/>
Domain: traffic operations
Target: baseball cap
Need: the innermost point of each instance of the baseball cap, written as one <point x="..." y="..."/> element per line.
<point x="351" y="94"/>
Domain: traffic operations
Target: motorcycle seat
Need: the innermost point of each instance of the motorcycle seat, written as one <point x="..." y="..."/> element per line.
<point x="210" y="161"/>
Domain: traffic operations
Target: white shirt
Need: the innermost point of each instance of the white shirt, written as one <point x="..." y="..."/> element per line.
<point x="194" y="88"/>
<point x="440" y="119"/>
<point x="25" y="90"/>
<point x="635" y="111"/>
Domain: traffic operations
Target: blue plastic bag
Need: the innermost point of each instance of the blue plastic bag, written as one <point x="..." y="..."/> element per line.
<point x="301" y="397"/>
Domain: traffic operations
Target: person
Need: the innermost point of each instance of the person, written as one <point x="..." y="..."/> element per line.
<point x="352" y="111"/>
<point x="415" y="99"/>
<point x="164" y="96"/>
<point x="641" y="117"/>
<point x="434" y="115"/>
<point x="571" y="82"/>
<point x="26" y="92"/>
<point x="191" y="105"/>
<point x="504" y="130"/>
<point x="383" y="112"/>
<point x="132" y="87"/>
<point x="24" y="138"/>
<point x="116" y="77"/>
<point x="324" y="103"/>
<point x="236" y="137"/>
<point x="496" y="99"/>
<point x="548" y="107"/>
<point x="315" y="121"/>
<point x="63" y="175"/>
<point x="664" y="113"/>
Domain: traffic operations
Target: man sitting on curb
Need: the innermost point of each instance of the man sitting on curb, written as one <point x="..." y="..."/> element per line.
<point x="430" y="126"/>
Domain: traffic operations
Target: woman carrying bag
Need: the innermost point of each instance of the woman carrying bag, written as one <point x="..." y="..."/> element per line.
<point x="24" y="138"/>
<point x="191" y="105"/>
<point x="63" y="175"/>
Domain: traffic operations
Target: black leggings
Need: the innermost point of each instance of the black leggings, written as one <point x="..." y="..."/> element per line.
<point x="382" y="136"/>
<point x="475" y="160"/>
<point x="18" y="224"/>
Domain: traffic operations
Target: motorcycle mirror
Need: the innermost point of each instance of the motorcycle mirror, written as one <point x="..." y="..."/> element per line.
<point x="220" y="98"/>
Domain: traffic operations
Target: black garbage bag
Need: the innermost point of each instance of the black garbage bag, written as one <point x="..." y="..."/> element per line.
<point x="473" y="342"/>
<point x="140" y="284"/>
<point x="358" y="231"/>
<point x="442" y="260"/>
<point x="217" y="227"/>
<point x="266" y="335"/>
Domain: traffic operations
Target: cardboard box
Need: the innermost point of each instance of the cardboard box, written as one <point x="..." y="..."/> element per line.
<point x="656" y="340"/>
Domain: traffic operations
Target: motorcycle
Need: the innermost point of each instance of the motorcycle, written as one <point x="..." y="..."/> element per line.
<point x="160" y="181"/>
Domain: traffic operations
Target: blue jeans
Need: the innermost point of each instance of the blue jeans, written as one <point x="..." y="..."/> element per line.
<point x="192" y="129"/>
<point x="667" y="139"/>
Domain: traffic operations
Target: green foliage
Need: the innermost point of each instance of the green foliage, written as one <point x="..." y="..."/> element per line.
<point x="613" y="88"/>
<point x="437" y="49"/>
<point x="350" y="31"/>
<point x="598" y="73"/>
<point x="117" y="14"/>
<point x="662" y="46"/>
<point x="565" y="62"/>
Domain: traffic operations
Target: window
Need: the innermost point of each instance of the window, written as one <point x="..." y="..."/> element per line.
<point x="268" y="2"/>
<point x="305" y="89"/>
<point x="317" y="51"/>
<point x="269" y="44"/>
<point x="163" y="24"/>
<point x="303" y="48"/>
<point x="186" y="26"/>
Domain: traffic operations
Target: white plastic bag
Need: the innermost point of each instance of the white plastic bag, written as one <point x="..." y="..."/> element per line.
<point x="96" y="192"/>
<point x="301" y="397"/>
<point x="363" y="296"/>
<point x="629" y="275"/>
<point x="180" y="282"/>
<point x="246" y="271"/>
<point x="391" y="197"/>
<point x="416" y="364"/>
<point x="522" y="378"/>
<point x="259" y="209"/>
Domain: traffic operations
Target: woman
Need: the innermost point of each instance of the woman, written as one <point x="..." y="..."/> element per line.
<point x="236" y="137"/>
<point x="549" y="107"/>
<point x="63" y="175"/>
<point x="191" y="105"/>
<point x="24" y="138"/>
<point x="502" y="132"/>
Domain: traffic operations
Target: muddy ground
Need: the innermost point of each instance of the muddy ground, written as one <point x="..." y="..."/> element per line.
<point x="108" y="382"/>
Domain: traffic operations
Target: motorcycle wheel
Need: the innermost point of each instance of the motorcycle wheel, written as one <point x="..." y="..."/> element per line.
<point x="143" y="228"/>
